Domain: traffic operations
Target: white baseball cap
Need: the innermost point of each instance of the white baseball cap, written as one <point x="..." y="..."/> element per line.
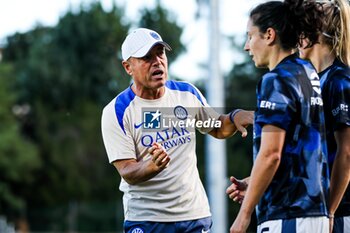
<point x="139" y="42"/>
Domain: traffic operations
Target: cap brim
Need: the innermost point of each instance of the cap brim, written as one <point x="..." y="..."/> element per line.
<point x="145" y="49"/>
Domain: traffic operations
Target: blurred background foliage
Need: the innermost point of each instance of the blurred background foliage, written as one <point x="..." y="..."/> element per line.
<point x="54" y="83"/>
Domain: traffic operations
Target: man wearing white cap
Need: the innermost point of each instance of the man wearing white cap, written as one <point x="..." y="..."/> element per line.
<point x="149" y="136"/>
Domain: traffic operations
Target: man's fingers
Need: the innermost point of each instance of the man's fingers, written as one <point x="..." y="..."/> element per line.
<point x="165" y="162"/>
<point x="243" y="130"/>
<point x="154" y="146"/>
<point x="162" y="160"/>
<point x="151" y="150"/>
<point x="244" y="133"/>
<point x="242" y="120"/>
<point x="157" y="154"/>
<point x="157" y="145"/>
<point x="159" y="158"/>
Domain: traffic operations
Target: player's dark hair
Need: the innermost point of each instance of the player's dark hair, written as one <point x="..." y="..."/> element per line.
<point x="292" y="20"/>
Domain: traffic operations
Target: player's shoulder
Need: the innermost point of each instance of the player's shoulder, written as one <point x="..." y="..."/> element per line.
<point x="180" y="85"/>
<point x="278" y="75"/>
<point x="291" y="69"/>
<point x="282" y="70"/>
<point x="184" y="87"/>
<point x="281" y="78"/>
<point x="293" y="65"/>
<point x="121" y="101"/>
<point x="341" y="72"/>
<point x="337" y="77"/>
<point x="125" y="97"/>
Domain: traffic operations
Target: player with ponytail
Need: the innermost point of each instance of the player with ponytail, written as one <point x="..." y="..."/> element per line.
<point x="331" y="58"/>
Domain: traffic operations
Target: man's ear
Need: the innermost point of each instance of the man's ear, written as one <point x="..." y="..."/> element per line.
<point x="127" y="67"/>
<point x="270" y="36"/>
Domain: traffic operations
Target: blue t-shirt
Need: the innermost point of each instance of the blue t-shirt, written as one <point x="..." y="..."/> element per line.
<point x="335" y="85"/>
<point x="289" y="97"/>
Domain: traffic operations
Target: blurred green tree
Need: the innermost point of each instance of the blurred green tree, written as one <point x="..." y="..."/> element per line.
<point x="66" y="74"/>
<point x="164" y="22"/>
<point x="19" y="157"/>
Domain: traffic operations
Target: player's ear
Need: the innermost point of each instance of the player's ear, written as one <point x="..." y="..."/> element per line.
<point x="270" y="36"/>
<point x="127" y="67"/>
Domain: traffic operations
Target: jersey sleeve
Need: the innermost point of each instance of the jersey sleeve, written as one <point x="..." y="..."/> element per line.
<point x="276" y="104"/>
<point x="118" y="142"/>
<point x="340" y="102"/>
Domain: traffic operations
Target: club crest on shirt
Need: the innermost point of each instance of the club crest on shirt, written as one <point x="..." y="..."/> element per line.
<point x="180" y="112"/>
<point x="137" y="230"/>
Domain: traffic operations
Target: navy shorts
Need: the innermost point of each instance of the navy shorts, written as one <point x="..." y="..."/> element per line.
<point x="202" y="225"/>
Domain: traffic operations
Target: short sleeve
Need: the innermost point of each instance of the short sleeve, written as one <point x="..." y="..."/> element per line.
<point x="276" y="102"/>
<point x="339" y="97"/>
<point x="118" y="142"/>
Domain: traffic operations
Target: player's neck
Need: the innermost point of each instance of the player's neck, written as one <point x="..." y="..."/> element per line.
<point x="278" y="54"/>
<point x="322" y="57"/>
<point x="148" y="93"/>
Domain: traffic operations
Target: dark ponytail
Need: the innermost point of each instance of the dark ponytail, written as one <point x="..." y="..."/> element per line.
<point x="291" y="20"/>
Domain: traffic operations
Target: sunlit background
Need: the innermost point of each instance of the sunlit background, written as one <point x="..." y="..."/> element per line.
<point x="191" y="15"/>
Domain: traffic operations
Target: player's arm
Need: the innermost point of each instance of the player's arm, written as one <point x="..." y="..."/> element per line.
<point x="230" y="124"/>
<point x="264" y="168"/>
<point x="340" y="176"/>
<point x="135" y="172"/>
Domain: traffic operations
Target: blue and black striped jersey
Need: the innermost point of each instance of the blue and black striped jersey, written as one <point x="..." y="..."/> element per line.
<point x="289" y="97"/>
<point x="335" y="85"/>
